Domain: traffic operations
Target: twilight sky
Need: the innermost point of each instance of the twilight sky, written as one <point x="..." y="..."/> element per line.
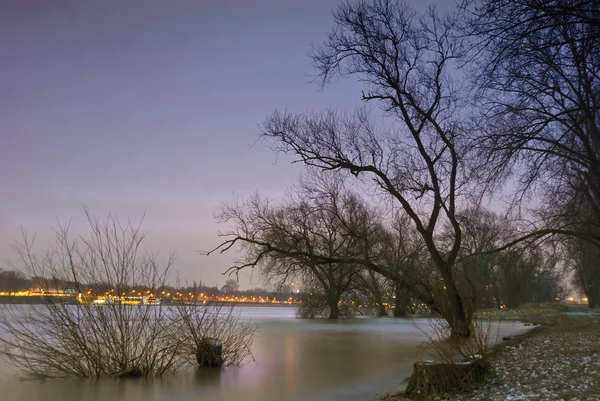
<point x="128" y="106"/>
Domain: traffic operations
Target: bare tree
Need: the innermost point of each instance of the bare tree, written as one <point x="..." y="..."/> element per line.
<point x="585" y="266"/>
<point x="525" y="272"/>
<point x="371" y="286"/>
<point x="483" y="231"/>
<point x="403" y="258"/>
<point x="307" y="238"/>
<point x="231" y="285"/>
<point x="537" y="68"/>
<point x="404" y="61"/>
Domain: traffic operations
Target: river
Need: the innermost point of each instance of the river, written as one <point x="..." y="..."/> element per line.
<point x="295" y="360"/>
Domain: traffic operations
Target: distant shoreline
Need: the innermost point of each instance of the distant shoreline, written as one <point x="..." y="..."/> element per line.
<point x="33" y="300"/>
<point x="44" y="300"/>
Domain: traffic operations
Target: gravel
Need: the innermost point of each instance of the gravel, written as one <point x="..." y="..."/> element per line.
<point x="560" y="363"/>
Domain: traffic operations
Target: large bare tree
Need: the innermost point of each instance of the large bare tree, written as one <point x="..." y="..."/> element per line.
<point x="404" y="60"/>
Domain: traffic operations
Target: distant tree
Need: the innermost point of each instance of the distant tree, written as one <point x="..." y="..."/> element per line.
<point x="515" y="273"/>
<point x="483" y="231"/>
<point x="525" y="272"/>
<point x="548" y="285"/>
<point x="403" y="260"/>
<point x="231" y="285"/>
<point x="371" y="286"/>
<point x="583" y="259"/>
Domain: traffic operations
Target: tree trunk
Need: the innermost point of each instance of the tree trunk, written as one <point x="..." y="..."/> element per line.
<point x="334" y="309"/>
<point x="460" y="323"/>
<point x="381" y="311"/>
<point x="402" y="299"/>
<point x="592" y="299"/>
<point x="430" y="378"/>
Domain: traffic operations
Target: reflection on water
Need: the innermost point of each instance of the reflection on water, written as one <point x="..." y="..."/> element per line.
<point x="294" y="360"/>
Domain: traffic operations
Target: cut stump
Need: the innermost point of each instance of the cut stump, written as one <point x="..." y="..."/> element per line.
<point x="209" y="353"/>
<point x="430" y="377"/>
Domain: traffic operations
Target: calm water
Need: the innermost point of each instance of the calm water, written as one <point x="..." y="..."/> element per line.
<point x="295" y="360"/>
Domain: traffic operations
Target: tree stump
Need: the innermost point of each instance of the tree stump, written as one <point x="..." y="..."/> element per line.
<point x="209" y="353"/>
<point x="430" y="377"/>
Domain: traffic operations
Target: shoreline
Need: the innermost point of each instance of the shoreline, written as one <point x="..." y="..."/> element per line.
<point x="558" y="358"/>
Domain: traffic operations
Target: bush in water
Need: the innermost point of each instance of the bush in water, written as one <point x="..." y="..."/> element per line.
<point x="83" y="339"/>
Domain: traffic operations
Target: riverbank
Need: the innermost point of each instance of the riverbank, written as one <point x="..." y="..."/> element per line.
<point x="559" y="359"/>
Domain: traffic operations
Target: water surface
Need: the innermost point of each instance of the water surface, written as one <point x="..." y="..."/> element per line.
<point x="295" y="359"/>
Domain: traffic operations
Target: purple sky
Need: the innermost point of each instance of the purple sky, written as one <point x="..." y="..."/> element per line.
<point x="133" y="106"/>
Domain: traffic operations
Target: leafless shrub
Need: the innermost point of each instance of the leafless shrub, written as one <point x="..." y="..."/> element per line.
<point x="63" y="338"/>
<point x="220" y="322"/>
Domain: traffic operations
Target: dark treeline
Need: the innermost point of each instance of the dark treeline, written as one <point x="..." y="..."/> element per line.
<point x="13" y="281"/>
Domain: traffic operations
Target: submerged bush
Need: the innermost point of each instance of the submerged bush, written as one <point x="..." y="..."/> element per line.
<point x="317" y="306"/>
<point x="62" y="339"/>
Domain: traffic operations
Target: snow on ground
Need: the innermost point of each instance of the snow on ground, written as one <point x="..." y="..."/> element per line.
<point x="556" y="364"/>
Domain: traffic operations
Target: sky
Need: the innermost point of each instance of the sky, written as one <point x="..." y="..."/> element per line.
<point x="137" y="107"/>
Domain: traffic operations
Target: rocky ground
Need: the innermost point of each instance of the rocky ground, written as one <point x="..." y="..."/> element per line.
<point x="559" y="360"/>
